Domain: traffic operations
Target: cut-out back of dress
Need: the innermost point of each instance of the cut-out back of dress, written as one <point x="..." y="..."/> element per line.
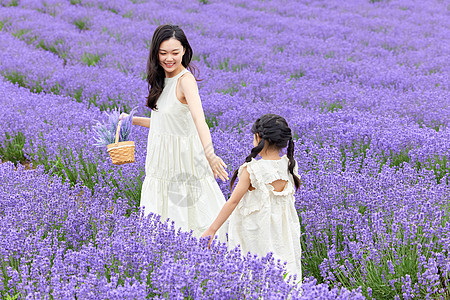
<point x="279" y="185"/>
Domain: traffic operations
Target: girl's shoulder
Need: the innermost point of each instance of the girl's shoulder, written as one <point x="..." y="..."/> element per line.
<point x="267" y="170"/>
<point x="271" y="163"/>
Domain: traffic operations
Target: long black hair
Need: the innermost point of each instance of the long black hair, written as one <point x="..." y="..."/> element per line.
<point x="274" y="130"/>
<point x="155" y="73"/>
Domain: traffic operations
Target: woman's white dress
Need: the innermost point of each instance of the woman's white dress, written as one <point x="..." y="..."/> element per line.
<point x="179" y="183"/>
<point x="265" y="220"/>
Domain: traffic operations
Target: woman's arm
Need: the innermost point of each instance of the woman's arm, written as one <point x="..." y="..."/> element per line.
<point x="189" y="89"/>
<point x="241" y="188"/>
<point x="141" y="121"/>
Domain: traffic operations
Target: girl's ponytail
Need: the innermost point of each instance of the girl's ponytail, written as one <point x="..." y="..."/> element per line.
<point x="275" y="132"/>
<point x="291" y="164"/>
<point x="253" y="154"/>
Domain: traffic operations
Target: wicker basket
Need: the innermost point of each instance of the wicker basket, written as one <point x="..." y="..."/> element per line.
<point x="121" y="152"/>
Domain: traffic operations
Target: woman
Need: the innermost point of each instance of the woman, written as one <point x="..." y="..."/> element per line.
<point x="181" y="165"/>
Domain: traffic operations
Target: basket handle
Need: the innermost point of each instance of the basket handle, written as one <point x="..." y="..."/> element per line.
<point x="117" y="132"/>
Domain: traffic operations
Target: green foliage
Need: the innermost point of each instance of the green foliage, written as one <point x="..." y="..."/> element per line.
<point x="437" y="125"/>
<point x="2" y="24"/>
<point x="37" y="87"/>
<point x="439" y="165"/>
<point x="278" y="49"/>
<point x="204" y="1"/>
<point x="12" y="148"/>
<point x="332" y="106"/>
<point x="211" y="121"/>
<point x="127" y="187"/>
<point x="330" y="54"/>
<point x="82" y="24"/>
<point x="205" y="60"/>
<point x="128" y="15"/>
<point x="77" y="93"/>
<point x="20" y="79"/>
<point x="90" y="59"/>
<point x="230" y="91"/>
<point x="224" y="65"/>
<point x="114" y="103"/>
<point x="77" y="167"/>
<point x="296" y="75"/>
<point x="21" y="32"/>
<point x="5" y="264"/>
<point x="238" y="67"/>
<point x="75" y="2"/>
<point x="56" y="89"/>
<point x="15" y="297"/>
<point x="358" y="150"/>
<point x="15" y="78"/>
<point x="148" y="43"/>
<point x="52" y="47"/>
<point x="402" y="253"/>
<point x="13" y="3"/>
<point x="312" y="256"/>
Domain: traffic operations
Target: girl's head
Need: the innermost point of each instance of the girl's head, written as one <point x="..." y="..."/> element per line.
<point x="169" y="53"/>
<point x="272" y="132"/>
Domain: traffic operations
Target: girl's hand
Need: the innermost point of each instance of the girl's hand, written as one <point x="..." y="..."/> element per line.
<point x="217" y="166"/>
<point x="209" y="233"/>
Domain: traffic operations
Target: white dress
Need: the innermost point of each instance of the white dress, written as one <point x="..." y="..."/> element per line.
<point x="179" y="183"/>
<point x="265" y="220"/>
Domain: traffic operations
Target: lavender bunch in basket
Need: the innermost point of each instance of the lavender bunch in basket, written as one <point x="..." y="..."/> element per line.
<point x="105" y="133"/>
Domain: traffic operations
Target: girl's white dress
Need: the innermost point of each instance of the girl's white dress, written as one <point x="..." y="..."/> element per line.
<point x="179" y="183"/>
<point x="265" y="220"/>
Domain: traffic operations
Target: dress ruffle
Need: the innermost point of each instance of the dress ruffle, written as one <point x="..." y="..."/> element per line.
<point x="256" y="202"/>
<point x="262" y="174"/>
<point x="267" y="171"/>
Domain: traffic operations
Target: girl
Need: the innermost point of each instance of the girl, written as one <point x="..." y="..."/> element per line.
<point x="263" y="217"/>
<point x="181" y="164"/>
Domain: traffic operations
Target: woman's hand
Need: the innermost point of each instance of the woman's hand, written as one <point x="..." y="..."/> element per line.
<point x="209" y="233"/>
<point x="217" y="166"/>
<point x="122" y="116"/>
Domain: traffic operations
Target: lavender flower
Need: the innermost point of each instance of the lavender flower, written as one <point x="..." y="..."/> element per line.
<point x="363" y="84"/>
<point x="106" y="132"/>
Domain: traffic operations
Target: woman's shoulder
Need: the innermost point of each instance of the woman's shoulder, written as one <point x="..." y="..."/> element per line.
<point x="187" y="81"/>
<point x="187" y="76"/>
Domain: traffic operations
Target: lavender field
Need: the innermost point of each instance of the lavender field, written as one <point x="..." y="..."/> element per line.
<point x="364" y="84"/>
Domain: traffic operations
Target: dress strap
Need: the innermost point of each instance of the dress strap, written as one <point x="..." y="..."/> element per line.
<point x="175" y="78"/>
<point x="180" y="74"/>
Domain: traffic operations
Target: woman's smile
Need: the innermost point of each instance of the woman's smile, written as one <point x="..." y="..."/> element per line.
<point x="170" y="56"/>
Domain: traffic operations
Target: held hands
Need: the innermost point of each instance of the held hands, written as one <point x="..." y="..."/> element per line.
<point x="218" y="166"/>
<point x="209" y="233"/>
<point x="216" y="163"/>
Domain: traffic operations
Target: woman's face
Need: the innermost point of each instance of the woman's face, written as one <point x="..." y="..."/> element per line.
<point x="170" y="56"/>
